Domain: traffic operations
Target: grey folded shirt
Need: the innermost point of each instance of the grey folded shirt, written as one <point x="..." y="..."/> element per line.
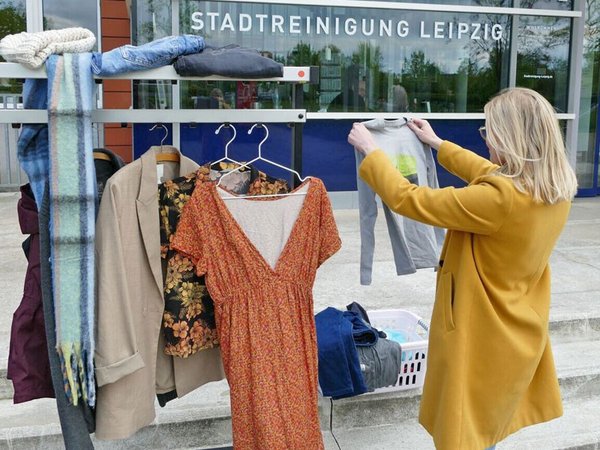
<point x="380" y="364"/>
<point x="230" y="61"/>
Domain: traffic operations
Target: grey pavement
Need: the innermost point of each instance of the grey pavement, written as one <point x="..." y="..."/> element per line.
<point x="379" y="421"/>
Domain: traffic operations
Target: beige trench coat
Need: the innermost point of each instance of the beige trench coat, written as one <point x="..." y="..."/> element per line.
<point x="131" y="367"/>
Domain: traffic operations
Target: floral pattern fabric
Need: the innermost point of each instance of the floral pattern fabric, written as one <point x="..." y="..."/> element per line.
<point x="189" y="318"/>
<point x="264" y="315"/>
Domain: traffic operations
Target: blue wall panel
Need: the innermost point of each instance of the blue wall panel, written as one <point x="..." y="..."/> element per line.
<point x="327" y="154"/>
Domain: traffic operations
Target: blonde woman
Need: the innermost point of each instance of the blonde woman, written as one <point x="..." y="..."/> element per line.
<point x="490" y="368"/>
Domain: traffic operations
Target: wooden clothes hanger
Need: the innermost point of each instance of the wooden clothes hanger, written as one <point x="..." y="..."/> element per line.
<point x="262" y="158"/>
<point x="165" y="157"/>
<point x="102" y="156"/>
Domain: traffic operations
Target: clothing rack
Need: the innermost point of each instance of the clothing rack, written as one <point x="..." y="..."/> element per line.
<point x="296" y="116"/>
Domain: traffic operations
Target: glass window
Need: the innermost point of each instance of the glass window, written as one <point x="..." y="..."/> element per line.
<point x="489" y="3"/>
<point x="543" y="57"/>
<point x="12" y="20"/>
<point x="153" y="22"/>
<point x="370" y="59"/>
<point x="545" y="4"/>
<point x="70" y="13"/>
<point x="12" y="17"/>
<point x="532" y="4"/>
<point x="587" y="153"/>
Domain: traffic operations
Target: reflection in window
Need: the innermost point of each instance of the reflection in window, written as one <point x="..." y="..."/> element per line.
<point x="12" y="17"/>
<point x="153" y="22"/>
<point x="590" y="87"/>
<point x="543" y="57"/>
<point x="70" y="13"/>
<point x="532" y="4"/>
<point x="12" y="20"/>
<point x="370" y="59"/>
<point x="546" y="4"/>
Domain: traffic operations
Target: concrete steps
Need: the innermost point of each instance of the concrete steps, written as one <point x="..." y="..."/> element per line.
<point x="203" y="419"/>
<point x="577" y="429"/>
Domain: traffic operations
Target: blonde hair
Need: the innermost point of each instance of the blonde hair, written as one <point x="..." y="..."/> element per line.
<point x="523" y="130"/>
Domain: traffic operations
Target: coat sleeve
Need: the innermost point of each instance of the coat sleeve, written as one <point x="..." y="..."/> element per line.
<point x="462" y="162"/>
<point x="478" y="208"/>
<point x="116" y="353"/>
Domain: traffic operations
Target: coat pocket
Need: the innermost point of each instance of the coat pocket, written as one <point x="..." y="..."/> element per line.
<point x="447" y="287"/>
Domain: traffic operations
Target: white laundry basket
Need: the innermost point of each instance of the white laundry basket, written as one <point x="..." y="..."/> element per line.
<point x="414" y="352"/>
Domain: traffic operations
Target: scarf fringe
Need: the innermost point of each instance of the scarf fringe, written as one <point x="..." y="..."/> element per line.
<point x="78" y="373"/>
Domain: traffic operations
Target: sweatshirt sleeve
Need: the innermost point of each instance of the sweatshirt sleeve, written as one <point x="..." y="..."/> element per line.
<point x="463" y="163"/>
<point x="478" y="208"/>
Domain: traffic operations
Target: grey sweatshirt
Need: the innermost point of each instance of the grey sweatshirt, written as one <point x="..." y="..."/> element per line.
<point x="415" y="245"/>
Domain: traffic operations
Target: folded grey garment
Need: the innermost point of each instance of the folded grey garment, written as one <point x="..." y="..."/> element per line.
<point x="32" y="49"/>
<point x="380" y="364"/>
<point x="229" y="61"/>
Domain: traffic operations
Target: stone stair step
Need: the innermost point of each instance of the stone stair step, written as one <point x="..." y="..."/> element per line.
<point x="6" y="387"/>
<point x="577" y="365"/>
<point x="203" y="417"/>
<point x="577" y="429"/>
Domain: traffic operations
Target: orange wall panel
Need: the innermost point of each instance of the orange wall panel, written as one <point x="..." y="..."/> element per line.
<point x="117" y="85"/>
<point x="115" y="28"/>
<point x="108" y="43"/>
<point x="124" y="151"/>
<point x="118" y="136"/>
<point x="114" y="9"/>
<point x="116" y="31"/>
<point x="117" y="100"/>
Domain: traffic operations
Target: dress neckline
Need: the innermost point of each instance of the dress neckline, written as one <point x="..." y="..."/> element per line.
<point x="236" y="227"/>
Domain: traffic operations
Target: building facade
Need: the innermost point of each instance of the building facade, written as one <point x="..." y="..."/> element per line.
<point x="440" y="60"/>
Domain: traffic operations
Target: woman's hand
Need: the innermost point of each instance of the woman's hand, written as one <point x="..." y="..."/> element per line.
<point x="425" y="133"/>
<point x="361" y="139"/>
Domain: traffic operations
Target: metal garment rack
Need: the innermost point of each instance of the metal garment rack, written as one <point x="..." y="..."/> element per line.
<point x="296" y="117"/>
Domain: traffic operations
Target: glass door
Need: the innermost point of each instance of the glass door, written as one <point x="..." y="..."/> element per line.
<point x="588" y="142"/>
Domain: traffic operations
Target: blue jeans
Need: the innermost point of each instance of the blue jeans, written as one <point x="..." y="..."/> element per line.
<point x="493" y="447"/>
<point x="158" y="53"/>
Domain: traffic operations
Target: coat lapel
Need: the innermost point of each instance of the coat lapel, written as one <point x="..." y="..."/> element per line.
<point x="147" y="207"/>
<point x="147" y="212"/>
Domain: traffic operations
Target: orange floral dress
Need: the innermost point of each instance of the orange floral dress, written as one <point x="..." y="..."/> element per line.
<point x="264" y="315"/>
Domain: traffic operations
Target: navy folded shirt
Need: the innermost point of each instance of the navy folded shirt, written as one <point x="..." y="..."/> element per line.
<point x="229" y="61"/>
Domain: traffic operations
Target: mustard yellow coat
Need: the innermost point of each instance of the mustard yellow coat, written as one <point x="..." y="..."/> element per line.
<point x="490" y="369"/>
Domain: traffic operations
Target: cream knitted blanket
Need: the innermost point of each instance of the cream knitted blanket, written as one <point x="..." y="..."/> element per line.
<point x="32" y="49"/>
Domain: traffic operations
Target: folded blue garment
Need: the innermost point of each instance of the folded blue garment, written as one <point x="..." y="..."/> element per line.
<point x="229" y="61"/>
<point x="339" y="367"/>
<point x="158" y="53"/>
<point x="363" y="333"/>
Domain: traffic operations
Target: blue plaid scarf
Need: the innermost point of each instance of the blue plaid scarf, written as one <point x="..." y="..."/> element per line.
<point x="62" y="153"/>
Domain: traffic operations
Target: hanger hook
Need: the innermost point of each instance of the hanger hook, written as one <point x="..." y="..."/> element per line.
<point x="164" y="128"/>
<point x="265" y="138"/>
<point x="230" y="140"/>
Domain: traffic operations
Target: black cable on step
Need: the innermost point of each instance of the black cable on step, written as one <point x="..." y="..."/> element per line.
<point x="331" y="423"/>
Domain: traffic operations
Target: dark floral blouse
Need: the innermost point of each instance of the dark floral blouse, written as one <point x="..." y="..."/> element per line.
<point x="189" y="318"/>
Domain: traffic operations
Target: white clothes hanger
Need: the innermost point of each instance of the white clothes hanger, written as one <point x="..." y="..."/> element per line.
<point x="262" y="158"/>
<point x="227" y="157"/>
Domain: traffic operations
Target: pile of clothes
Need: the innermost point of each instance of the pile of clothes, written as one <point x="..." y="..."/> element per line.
<point x="188" y="53"/>
<point x="355" y="357"/>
